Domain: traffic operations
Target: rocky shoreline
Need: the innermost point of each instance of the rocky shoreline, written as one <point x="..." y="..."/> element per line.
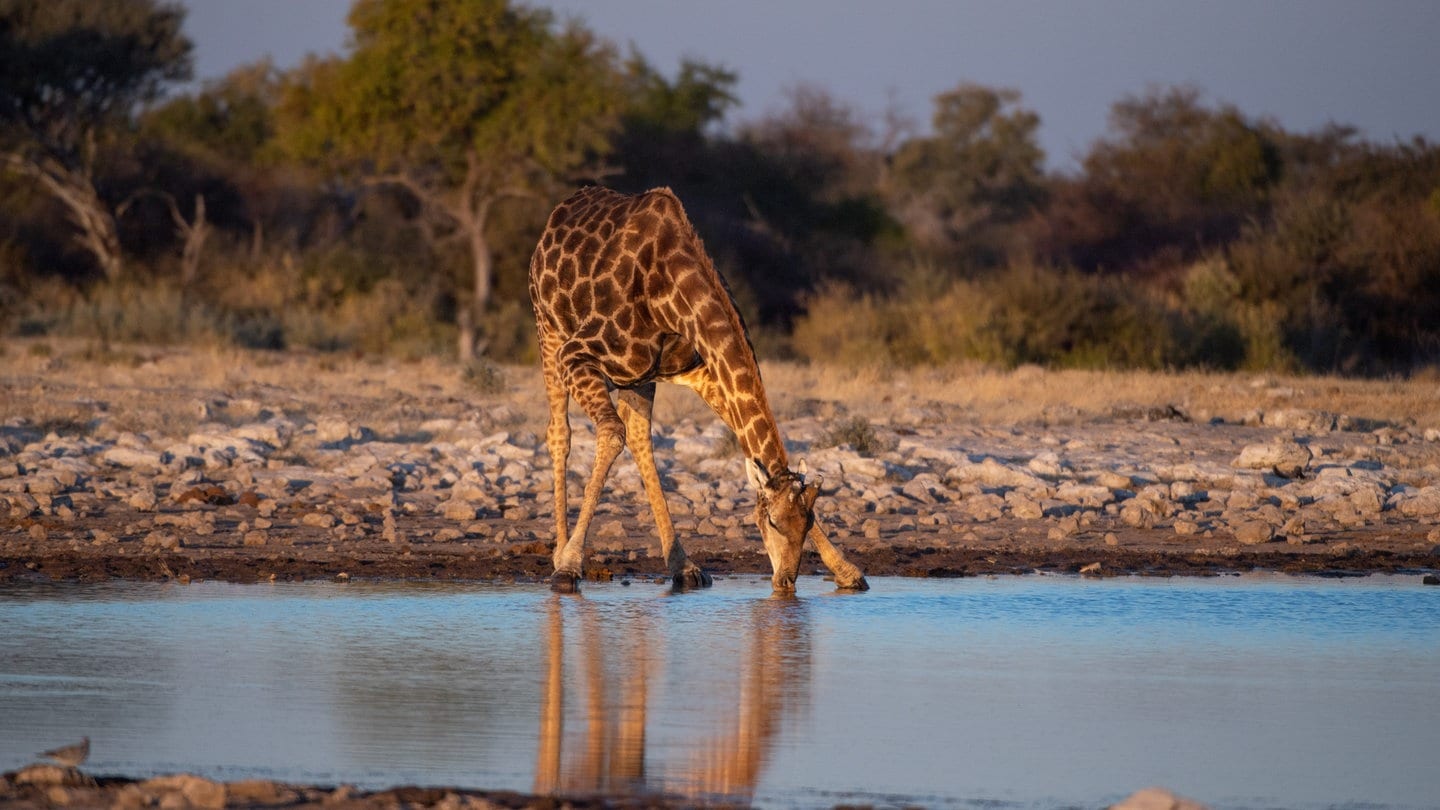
<point x="260" y="482"/>
<point x="46" y="786"/>
<point x="39" y="787"/>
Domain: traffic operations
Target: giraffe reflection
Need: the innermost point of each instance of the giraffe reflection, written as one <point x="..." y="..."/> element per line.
<point x="618" y="669"/>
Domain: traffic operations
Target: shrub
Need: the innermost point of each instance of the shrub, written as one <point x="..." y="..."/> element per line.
<point x="484" y="376"/>
<point x="843" y="327"/>
<point x="859" y="434"/>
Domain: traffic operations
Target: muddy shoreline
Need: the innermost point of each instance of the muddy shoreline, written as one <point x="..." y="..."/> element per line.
<point x="452" y="565"/>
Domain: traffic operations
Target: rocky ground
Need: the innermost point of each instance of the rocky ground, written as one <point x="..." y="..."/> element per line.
<point x="247" y="467"/>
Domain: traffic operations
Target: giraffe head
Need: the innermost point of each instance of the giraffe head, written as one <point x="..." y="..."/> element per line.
<point x="785" y="512"/>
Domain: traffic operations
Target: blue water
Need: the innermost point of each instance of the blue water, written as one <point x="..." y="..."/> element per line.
<point x="1029" y="692"/>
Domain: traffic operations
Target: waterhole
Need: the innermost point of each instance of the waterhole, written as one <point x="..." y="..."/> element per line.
<point x="1022" y="691"/>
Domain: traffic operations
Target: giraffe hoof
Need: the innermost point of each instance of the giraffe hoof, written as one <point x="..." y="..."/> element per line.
<point x="564" y="582"/>
<point x="691" y="578"/>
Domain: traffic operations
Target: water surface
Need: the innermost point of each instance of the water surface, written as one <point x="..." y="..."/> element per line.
<point x="1035" y="691"/>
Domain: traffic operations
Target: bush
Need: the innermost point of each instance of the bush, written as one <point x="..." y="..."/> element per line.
<point x="859" y="434"/>
<point x="841" y="326"/>
<point x="1024" y="314"/>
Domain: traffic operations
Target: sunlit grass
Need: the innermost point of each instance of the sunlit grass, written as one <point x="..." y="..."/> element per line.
<point x="168" y="390"/>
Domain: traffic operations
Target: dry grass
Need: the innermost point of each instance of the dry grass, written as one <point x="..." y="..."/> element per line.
<point x="1031" y="394"/>
<point x="66" y="385"/>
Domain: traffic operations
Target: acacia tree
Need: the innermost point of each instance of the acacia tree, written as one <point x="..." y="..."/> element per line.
<point x="71" y="74"/>
<point x="981" y="167"/>
<point x="462" y="102"/>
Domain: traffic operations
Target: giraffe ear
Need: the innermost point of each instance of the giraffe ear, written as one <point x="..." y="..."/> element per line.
<point x="808" y="496"/>
<point x="803" y="469"/>
<point x="757" y="474"/>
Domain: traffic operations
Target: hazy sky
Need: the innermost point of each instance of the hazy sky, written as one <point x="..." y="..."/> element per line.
<point x="1371" y="63"/>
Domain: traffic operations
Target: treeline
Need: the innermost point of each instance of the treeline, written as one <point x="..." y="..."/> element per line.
<point x="387" y="200"/>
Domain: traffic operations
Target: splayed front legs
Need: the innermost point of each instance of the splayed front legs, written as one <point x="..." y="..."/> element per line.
<point x="617" y="425"/>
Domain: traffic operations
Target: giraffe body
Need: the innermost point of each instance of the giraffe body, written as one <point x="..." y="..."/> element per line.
<point x="625" y="297"/>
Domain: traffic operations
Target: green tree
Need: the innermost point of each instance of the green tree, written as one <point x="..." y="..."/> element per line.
<point x="72" y="73"/>
<point x="1177" y="154"/>
<point x="230" y="120"/>
<point x="980" y="168"/>
<point x="811" y="186"/>
<point x="696" y="99"/>
<point x="464" y="103"/>
<point x="666" y="124"/>
<point x="1174" y="178"/>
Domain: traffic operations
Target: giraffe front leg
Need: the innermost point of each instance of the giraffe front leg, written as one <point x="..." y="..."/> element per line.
<point x="847" y="576"/>
<point x="570" y="558"/>
<point x="557" y="439"/>
<point x="636" y="407"/>
<point x="587" y="386"/>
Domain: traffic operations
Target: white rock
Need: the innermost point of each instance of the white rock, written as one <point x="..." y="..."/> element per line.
<point x="1047" y="464"/>
<point x="1424" y="503"/>
<point x="1023" y="507"/>
<point x="992" y="473"/>
<point x="1092" y="496"/>
<point x="983" y="507"/>
<point x="1254" y="532"/>
<point x="457" y="510"/>
<point x="331" y="429"/>
<point x="131" y="458"/>
<point x="1299" y="419"/>
<point x="1138" y="514"/>
<point x="1288" y="458"/>
<point x="274" y="432"/>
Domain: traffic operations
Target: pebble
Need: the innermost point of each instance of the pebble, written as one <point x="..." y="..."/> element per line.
<point x="321" y="520"/>
<point x="458" y="511"/>
<point x="162" y="540"/>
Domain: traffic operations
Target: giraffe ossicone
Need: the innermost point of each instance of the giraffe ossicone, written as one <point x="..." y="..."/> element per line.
<point x="625" y="296"/>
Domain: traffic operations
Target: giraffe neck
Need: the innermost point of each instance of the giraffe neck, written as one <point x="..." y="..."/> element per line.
<point x="764" y="444"/>
<point x="747" y="412"/>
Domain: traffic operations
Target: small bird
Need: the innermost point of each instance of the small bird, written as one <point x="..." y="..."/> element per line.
<point x="71" y="755"/>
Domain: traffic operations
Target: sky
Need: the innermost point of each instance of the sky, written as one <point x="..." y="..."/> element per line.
<point x="1373" y="64"/>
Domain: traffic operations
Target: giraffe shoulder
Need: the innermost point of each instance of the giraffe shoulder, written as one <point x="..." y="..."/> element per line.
<point x="666" y="202"/>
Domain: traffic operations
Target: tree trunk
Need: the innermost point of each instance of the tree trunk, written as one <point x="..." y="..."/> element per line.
<point x="484" y="267"/>
<point x="194" y="235"/>
<point x="483" y="263"/>
<point x="87" y="211"/>
<point x="98" y="234"/>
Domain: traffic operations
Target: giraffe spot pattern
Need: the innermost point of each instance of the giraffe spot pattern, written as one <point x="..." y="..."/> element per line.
<point x="624" y="292"/>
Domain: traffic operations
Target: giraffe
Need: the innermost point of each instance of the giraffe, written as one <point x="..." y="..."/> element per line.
<point x="625" y="296"/>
